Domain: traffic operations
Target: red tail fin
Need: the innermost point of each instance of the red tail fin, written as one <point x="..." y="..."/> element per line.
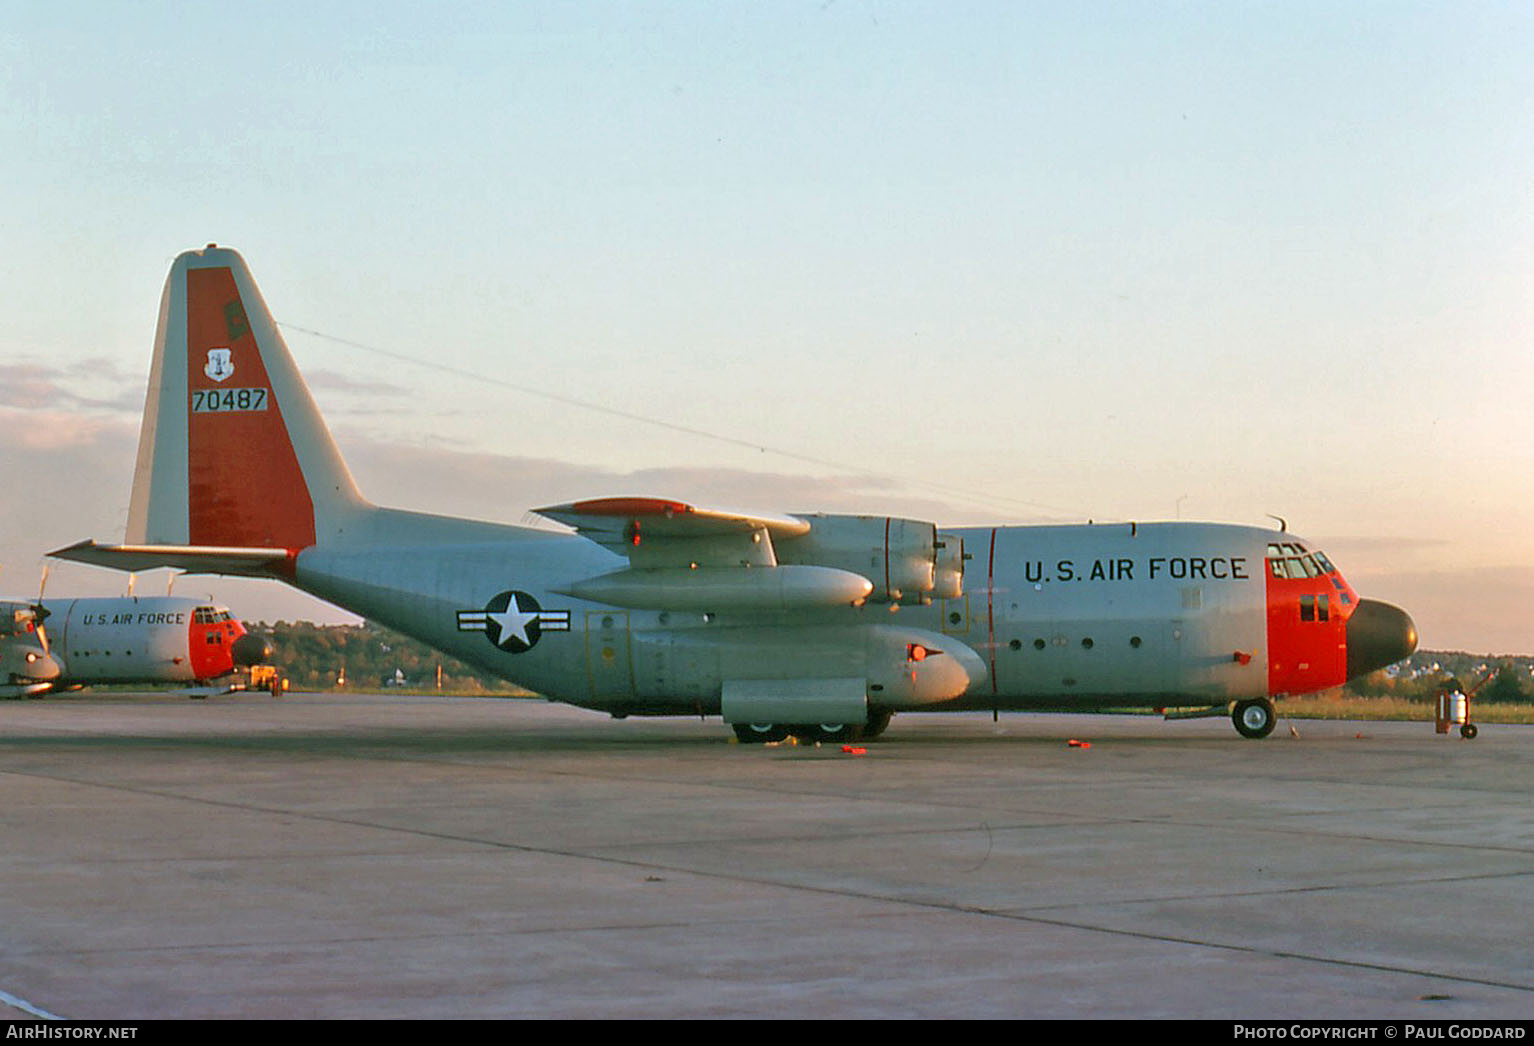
<point x="246" y="486"/>
<point x="233" y="451"/>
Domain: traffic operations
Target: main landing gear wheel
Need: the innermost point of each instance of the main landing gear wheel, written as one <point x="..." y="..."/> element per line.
<point x="829" y="733"/>
<point x="877" y="722"/>
<point x="1255" y="718"/>
<point x="759" y="733"/>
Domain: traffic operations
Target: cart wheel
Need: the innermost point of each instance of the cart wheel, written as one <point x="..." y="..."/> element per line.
<point x="1468" y="731"/>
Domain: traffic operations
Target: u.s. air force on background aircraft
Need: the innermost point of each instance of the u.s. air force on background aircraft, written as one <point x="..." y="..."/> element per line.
<point x="812" y="624"/>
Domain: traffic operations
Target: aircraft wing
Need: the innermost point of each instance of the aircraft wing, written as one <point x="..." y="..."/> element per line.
<point x="682" y="557"/>
<point x="194" y="559"/>
<point x="658" y="532"/>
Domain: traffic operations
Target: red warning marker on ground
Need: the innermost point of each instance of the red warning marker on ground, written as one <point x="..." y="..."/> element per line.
<point x="854" y="750"/>
<point x="1079" y="744"/>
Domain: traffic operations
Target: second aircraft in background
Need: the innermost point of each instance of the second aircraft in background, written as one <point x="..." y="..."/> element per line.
<point x="65" y="644"/>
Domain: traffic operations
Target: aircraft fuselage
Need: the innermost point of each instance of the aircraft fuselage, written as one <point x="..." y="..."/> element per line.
<point x="1124" y="614"/>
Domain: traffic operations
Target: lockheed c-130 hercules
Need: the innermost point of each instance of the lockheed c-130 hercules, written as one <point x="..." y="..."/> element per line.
<point x="782" y="624"/>
<point x="66" y="644"/>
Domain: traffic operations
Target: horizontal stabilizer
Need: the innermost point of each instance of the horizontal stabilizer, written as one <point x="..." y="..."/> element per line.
<point x="194" y="559"/>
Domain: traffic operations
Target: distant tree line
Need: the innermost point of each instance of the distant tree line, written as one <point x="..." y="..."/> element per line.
<point x="1499" y="679"/>
<point x="367" y="657"/>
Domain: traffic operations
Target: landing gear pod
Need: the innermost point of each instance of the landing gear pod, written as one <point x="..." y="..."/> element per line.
<point x="762" y="703"/>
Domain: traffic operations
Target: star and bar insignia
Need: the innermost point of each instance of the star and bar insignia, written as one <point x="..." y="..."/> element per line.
<point x="513" y="621"/>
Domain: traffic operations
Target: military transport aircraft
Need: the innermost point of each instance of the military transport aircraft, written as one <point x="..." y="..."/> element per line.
<point x="65" y="644"/>
<point x="816" y="625"/>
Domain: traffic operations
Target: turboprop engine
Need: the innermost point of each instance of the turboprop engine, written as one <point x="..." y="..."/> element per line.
<point x="25" y="657"/>
<point x="27" y="662"/>
<point x="906" y="560"/>
<point x="684" y="558"/>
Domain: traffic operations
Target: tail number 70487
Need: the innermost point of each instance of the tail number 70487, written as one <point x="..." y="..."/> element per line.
<point x="220" y="401"/>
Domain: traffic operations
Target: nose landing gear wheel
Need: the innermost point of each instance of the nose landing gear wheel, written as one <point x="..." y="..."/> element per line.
<point x="1255" y="718"/>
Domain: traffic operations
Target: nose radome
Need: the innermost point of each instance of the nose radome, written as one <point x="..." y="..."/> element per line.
<point x="251" y="649"/>
<point x="1379" y="634"/>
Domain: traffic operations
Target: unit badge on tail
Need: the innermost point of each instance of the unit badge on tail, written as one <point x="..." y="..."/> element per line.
<point x="513" y="621"/>
<point x="220" y="366"/>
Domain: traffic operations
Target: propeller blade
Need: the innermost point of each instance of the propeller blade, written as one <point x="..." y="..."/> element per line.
<point x="40" y="613"/>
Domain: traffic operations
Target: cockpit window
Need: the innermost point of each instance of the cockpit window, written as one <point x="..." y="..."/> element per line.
<point x="1291" y="560"/>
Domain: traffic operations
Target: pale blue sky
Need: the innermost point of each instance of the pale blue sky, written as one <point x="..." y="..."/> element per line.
<point x="1076" y="260"/>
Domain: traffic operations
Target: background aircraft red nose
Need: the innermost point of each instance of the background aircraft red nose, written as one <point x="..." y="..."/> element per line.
<point x="1379" y="634"/>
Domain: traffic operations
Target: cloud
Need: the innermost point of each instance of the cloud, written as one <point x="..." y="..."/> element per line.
<point x="26" y="384"/>
<point x="30" y="386"/>
<point x="51" y="430"/>
<point x="339" y="381"/>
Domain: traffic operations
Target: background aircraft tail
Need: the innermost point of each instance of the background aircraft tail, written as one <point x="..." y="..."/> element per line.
<point x="233" y="451"/>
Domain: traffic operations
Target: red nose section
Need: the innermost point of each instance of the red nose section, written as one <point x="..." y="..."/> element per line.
<point x="1320" y="634"/>
<point x="216" y="647"/>
<point x="1307" y="634"/>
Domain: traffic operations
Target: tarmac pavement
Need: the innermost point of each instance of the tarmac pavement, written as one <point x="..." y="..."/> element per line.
<point x="387" y="856"/>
